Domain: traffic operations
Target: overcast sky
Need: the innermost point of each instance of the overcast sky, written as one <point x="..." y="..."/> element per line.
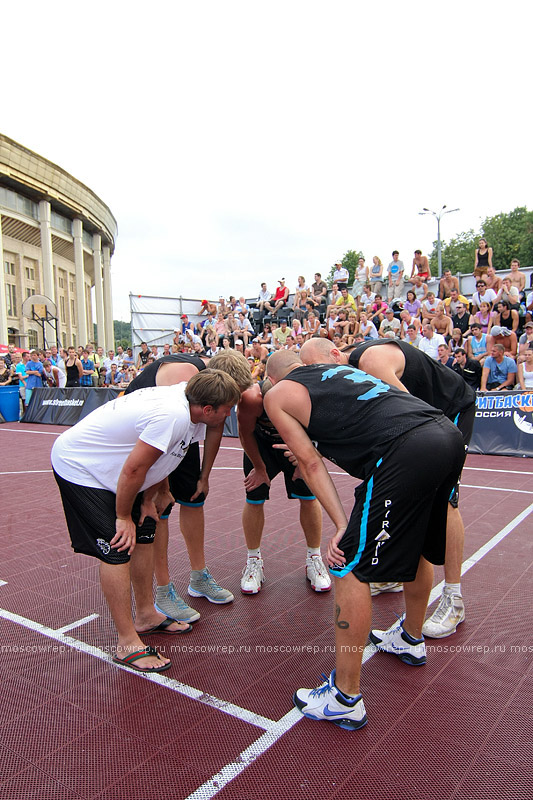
<point x="237" y="142"/>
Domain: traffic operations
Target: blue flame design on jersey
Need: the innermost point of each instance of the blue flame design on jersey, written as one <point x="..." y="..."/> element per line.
<point x="357" y="376"/>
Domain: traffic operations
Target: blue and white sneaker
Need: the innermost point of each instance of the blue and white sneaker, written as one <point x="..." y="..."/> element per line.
<point x="204" y="585"/>
<point x="327" y="703"/>
<point x="398" y="642"/>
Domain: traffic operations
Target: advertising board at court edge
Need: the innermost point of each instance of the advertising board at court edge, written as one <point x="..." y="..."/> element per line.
<point x="518" y="407"/>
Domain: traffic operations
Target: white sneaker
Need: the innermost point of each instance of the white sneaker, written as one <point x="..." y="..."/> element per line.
<point x="327" y="703"/>
<point x="449" y="613"/>
<point x="252" y="576"/>
<point x="395" y="641"/>
<point x="382" y="588"/>
<point x="316" y="572"/>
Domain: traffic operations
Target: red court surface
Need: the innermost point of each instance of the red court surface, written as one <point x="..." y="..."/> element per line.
<point x="220" y="723"/>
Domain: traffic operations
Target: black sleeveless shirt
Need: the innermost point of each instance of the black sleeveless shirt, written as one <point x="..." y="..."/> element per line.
<point x="427" y="379"/>
<point x="356" y="418"/>
<point x="148" y="375"/>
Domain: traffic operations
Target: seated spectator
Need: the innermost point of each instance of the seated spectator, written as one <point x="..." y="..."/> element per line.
<point x="420" y="266"/>
<point x="311" y="325"/>
<point x="330" y="323"/>
<point x="346" y="301"/>
<point x="518" y="279"/>
<point x="508" y="293"/>
<point x="499" y="371"/>
<point x="413" y="336"/>
<point x="231" y="303"/>
<point x="128" y="360"/>
<point x="476" y="344"/>
<point x="429" y="307"/>
<point x="242" y="306"/>
<point x="367" y="328"/>
<point x="298" y="343"/>
<point x="239" y="346"/>
<point x="333" y="297"/>
<point x="5" y="373"/>
<point x="226" y="343"/>
<point x="280" y="298"/>
<point x="206" y="327"/>
<point x="338" y="341"/>
<point x="342" y="324"/>
<point x="441" y="323"/>
<point x="525" y="340"/>
<point x="113" y="376"/>
<point x="482" y="259"/>
<point x="232" y="327"/>
<point x="128" y="374"/>
<point x="483" y="295"/>
<point x="263" y="297"/>
<point x="102" y="372"/>
<point x="319" y="291"/>
<point x="296" y="326"/>
<point x="341" y="275"/>
<point x="506" y="317"/>
<point x="378" y="310"/>
<point x="142" y="358"/>
<point x="419" y="288"/>
<point x="258" y="370"/>
<point x="389" y="324"/>
<point x="412" y="304"/>
<point x="185" y="325"/>
<point x="300" y="305"/>
<point x="301" y="287"/>
<point x="266" y="337"/>
<point x="429" y="343"/>
<point x="207" y="308"/>
<point x="198" y="349"/>
<point x="258" y="351"/>
<point x="110" y="359"/>
<point x="468" y="368"/>
<point x="453" y="301"/>
<point x="245" y="330"/>
<point x="494" y="282"/>
<point x="223" y="307"/>
<point x="447" y="283"/>
<point x="375" y="274"/>
<point x="485" y="317"/>
<point x="352" y="328"/>
<point x="525" y="369"/>
<point x="211" y="345"/>
<point x="407" y="319"/>
<point x="367" y="297"/>
<point x="456" y="341"/>
<point x="281" y="335"/>
<point x="461" y="318"/>
<point x="444" y="356"/>
<point x="190" y="340"/>
<point x="154" y="350"/>
<point x="505" y="337"/>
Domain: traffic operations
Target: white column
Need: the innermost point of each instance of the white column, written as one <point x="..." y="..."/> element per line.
<point x="46" y="249"/>
<point x="3" y="307"/>
<point x="77" y="231"/>
<point x="98" y="290"/>
<point x="108" y="302"/>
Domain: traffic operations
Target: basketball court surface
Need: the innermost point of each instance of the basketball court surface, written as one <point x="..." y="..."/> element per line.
<point x="220" y="723"/>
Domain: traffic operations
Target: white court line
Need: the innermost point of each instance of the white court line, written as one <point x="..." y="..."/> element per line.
<point x="495" y="489"/>
<point x="170" y="683"/>
<point x="40" y="433"/>
<point x="214" y="785"/>
<point x="26" y="472"/>
<point x="77" y="624"/>
<point x="505" y="471"/>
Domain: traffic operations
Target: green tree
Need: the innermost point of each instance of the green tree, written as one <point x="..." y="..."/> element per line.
<point x="350" y="260"/>
<point x="122" y="332"/>
<point x="510" y="236"/>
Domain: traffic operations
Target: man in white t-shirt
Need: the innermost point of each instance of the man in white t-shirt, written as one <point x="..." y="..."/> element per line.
<point x="430" y="341"/>
<point x="112" y="469"/>
<point x="341" y="275"/>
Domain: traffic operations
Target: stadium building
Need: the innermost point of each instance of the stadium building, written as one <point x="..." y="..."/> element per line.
<point x="56" y="241"/>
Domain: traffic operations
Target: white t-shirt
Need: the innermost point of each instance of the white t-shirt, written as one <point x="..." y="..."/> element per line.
<point x="431" y="346"/>
<point x="93" y="452"/>
<point x="488" y="297"/>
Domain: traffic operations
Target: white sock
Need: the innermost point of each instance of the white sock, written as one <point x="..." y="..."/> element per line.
<point x="313" y="551"/>
<point x="453" y="588"/>
<point x="254" y="553"/>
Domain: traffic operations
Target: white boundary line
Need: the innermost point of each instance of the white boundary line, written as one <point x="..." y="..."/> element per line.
<point x="77" y="624"/>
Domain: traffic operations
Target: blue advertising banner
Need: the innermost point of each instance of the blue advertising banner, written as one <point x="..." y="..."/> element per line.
<point x="504" y="424"/>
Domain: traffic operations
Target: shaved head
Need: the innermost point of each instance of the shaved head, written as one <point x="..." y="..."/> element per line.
<point x="322" y="351"/>
<point x="280" y="363"/>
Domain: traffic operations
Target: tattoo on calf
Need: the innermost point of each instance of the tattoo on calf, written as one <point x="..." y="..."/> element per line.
<point x="340" y="623"/>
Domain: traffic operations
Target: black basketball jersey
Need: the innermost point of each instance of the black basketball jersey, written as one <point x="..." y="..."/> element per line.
<point x="148" y="375"/>
<point x="356" y="418"/>
<point x="427" y="379"/>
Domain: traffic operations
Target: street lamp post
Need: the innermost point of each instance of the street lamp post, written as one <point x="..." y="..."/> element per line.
<point x="438" y="215"/>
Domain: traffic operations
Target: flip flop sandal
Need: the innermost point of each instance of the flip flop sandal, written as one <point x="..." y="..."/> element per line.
<point x="163" y="628"/>
<point x="147" y="651"/>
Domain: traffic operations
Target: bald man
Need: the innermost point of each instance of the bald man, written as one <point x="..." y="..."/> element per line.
<point x="401" y="365"/>
<point x="371" y="430"/>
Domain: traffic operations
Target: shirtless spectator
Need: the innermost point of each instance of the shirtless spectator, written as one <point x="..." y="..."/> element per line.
<point x="420" y="266"/>
<point x="258" y="351"/>
<point x="468" y="368"/>
<point x="389" y="324"/>
<point x="207" y="308"/>
<point x="429" y="307"/>
<point x="482" y="295"/>
<point x="476" y="345"/>
<point x="319" y="290"/>
<point x="518" y="278"/>
<point x="494" y="282"/>
<point x="455" y="299"/>
<point x="441" y="323"/>
<point x="263" y="297"/>
<point x="499" y="371"/>
<point x="280" y="298"/>
<point x="430" y="341"/>
<point x="505" y="337"/>
<point x="447" y="283"/>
